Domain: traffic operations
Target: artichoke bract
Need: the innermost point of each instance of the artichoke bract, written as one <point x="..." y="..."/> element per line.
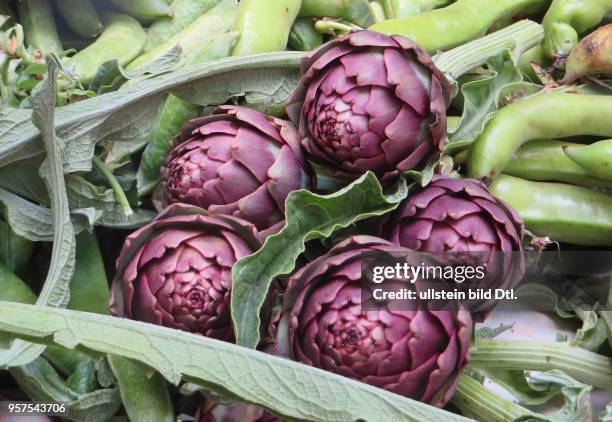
<point x="456" y="215"/>
<point x="176" y="270"/>
<point x="369" y="101"/>
<point x="418" y="354"/>
<point x="238" y="162"/>
<point x="461" y="216"/>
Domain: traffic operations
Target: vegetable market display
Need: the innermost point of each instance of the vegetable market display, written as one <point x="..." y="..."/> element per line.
<point x="189" y="190"/>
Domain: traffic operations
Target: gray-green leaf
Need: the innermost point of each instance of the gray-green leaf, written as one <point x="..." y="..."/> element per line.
<point x="35" y="222"/>
<point x="309" y="216"/>
<point x="55" y="291"/>
<point x="266" y="80"/>
<point x="288" y="389"/>
<point x="481" y="97"/>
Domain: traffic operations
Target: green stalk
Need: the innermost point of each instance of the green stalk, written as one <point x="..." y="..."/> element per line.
<point x="388" y="9"/>
<point x="517" y="38"/>
<point x="377" y="11"/>
<point x="119" y="193"/>
<point x="326" y="26"/>
<point x="587" y="367"/>
<point x="478" y="402"/>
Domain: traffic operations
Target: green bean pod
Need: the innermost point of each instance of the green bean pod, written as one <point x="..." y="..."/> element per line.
<point x="264" y="25"/>
<point x="565" y="20"/>
<point x="545" y="161"/>
<point x="173" y="114"/>
<point x="38" y="22"/>
<point x="355" y="11"/>
<point x="121" y="40"/>
<point x="81" y="17"/>
<point x="591" y="56"/>
<point x="565" y="213"/>
<point x="304" y="36"/>
<point x="13" y="289"/>
<point x="89" y="292"/>
<point x="544" y="116"/>
<point x="405" y="8"/>
<point x="83" y="379"/>
<point x="195" y="37"/>
<point x="596" y="158"/>
<point x="185" y="12"/>
<point x="146" y="10"/>
<point x="15" y="251"/>
<point x="465" y="20"/>
<point x="219" y="47"/>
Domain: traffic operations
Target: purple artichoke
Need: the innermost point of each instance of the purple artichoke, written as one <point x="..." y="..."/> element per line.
<point x="456" y="215"/>
<point x="369" y="101"/>
<point x="418" y="354"/>
<point x="176" y="271"/>
<point x="461" y="216"/>
<point x="237" y="162"/>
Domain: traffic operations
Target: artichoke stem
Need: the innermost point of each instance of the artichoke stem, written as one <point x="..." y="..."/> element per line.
<point x="119" y="193"/>
<point x="478" y="402"/>
<point x="583" y="365"/>
<point x="517" y="38"/>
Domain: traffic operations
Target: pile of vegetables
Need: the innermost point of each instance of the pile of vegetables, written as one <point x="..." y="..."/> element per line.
<point x="188" y="187"/>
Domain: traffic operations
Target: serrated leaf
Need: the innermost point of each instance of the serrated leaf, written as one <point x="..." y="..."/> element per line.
<point x="539" y="388"/>
<point x="105" y="75"/>
<point x="163" y="63"/>
<point x="55" y="290"/>
<point x="130" y="112"/>
<point x="266" y="90"/>
<point x="481" y="96"/>
<point x="22" y="178"/>
<point x="593" y="333"/>
<point x="309" y="216"/>
<point x="84" y="194"/>
<point x="286" y="388"/>
<point x="35" y="222"/>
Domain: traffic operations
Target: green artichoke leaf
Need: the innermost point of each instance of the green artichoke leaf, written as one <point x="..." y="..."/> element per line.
<point x="541" y="387"/>
<point x="308" y="216"/>
<point x="34" y="222"/>
<point x="285" y="388"/>
<point x="84" y="194"/>
<point x="481" y="98"/>
<point x="130" y="113"/>
<point x="55" y="291"/>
